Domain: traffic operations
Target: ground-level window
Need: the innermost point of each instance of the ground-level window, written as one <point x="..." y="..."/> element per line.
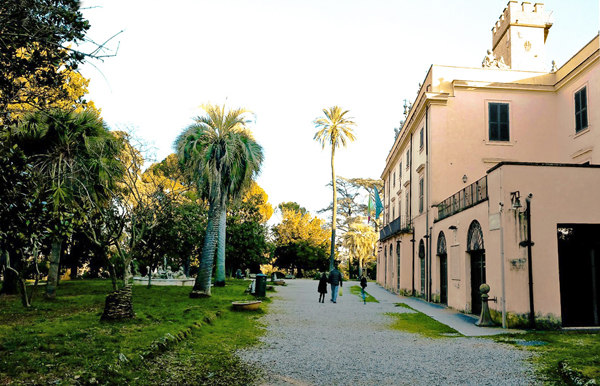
<point x="498" y="122"/>
<point x="581" y="121"/>
<point x="422" y="259"/>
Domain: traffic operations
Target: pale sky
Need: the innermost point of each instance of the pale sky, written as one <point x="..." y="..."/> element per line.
<point x="287" y="60"/>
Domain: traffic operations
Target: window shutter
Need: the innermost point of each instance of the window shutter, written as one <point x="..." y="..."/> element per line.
<point x="499" y="127"/>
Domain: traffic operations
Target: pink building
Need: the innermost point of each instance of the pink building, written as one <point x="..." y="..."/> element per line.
<point x="495" y="178"/>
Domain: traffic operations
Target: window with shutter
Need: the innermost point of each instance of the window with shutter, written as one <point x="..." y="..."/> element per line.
<point x="581" y="121"/>
<point x="499" y="128"/>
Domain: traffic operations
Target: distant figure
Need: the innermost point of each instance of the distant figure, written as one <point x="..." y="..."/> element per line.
<point x="335" y="279"/>
<point x="322" y="288"/>
<point x="238" y="274"/>
<point x="363" y="285"/>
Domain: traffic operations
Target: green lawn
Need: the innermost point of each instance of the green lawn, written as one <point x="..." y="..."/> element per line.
<point x="579" y="350"/>
<point x="63" y="341"/>
<point x="356" y="291"/>
<point x="419" y="323"/>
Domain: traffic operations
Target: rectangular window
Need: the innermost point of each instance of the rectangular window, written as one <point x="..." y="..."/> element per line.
<point x="394" y="179"/>
<point x="408" y="204"/>
<point x="499" y="122"/>
<point x="421" y="185"/>
<point x="407" y="158"/>
<point x="400" y="172"/>
<point x="581" y="121"/>
<point x="421" y="140"/>
<point x="400" y="207"/>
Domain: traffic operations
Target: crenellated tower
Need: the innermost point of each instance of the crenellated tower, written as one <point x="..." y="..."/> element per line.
<point x="519" y="36"/>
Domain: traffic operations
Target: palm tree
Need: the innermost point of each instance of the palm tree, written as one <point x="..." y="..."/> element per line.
<point x="359" y="241"/>
<point x="75" y="160"/>
<point x="335" y="130"/>
<point x="222" y="158"/>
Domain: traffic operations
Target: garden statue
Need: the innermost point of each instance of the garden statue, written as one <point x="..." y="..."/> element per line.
<point x="180" y="274"/>
<point x="491" y="61"/>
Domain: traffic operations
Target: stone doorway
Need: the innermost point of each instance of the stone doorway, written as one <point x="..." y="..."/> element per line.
<point x="476" y="252"/>
<point x="443" y="256"/>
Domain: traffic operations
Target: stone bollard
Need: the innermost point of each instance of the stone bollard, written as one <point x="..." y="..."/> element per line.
<point x="485" y="319"/>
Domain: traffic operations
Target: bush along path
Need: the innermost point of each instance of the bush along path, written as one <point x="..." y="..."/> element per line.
<point x="172" y="340"/>
<point x="350" y="343"/>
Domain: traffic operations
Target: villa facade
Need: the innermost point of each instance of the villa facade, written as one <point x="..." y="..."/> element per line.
<point x="495" y="178"/>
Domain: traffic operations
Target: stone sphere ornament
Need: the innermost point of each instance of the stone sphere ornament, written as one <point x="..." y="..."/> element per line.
<point x="484" y="288"/>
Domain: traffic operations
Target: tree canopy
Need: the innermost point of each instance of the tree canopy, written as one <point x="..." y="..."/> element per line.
<point x="34" y="51"/>
<point x="301" y="242"/>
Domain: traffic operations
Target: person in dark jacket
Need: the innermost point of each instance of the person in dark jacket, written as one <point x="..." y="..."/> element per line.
<point x="322" y="288"/>
<point x="335" y="279"/>
<point x="363" y="285"/>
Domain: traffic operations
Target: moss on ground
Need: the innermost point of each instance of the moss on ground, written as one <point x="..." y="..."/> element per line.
<point x="355" y="290"/>
<point x="561" y="355"/>
<point x="416" y="322"/>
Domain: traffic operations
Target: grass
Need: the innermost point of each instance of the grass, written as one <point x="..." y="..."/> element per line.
<point x="64" y="342"/>
<point x="580" y="350"/>
<point x="418" y="323"/>
<point x="355" y="290"/>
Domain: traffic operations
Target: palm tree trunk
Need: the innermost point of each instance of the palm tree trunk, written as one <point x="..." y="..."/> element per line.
<point x="333" y="219"/>
<point x="203" y="280"/>
<point x="54" y="267"/>
<point x="360" y="266"/>
<point x="220" y="268"/>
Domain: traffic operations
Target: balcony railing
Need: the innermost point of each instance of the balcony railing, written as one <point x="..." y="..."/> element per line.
<point x="464" y="199"/>
<point x="400" y="225"/>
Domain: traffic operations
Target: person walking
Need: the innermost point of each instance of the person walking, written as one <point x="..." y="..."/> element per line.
<point x="363" y="285"/>
<point x="335" y="279"/>
<point x="322" y="287"/>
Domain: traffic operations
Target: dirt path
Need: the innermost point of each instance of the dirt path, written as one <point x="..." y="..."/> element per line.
<point x="348" y="343"/>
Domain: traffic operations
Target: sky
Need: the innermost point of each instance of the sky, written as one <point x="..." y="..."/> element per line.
<point x="287" y="60"/>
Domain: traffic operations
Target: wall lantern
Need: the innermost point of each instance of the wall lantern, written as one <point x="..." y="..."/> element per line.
<point x="465" y="178"/>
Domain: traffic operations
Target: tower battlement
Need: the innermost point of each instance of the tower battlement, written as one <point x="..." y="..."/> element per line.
<point x="519" y="35"/>
<point x="524" y="14"/>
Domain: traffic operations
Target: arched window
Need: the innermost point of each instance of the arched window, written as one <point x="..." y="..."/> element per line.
<point x="441" y="244"/>
<point x="442" y="253"/>
<point x="392" y="262"/>
<point x="477" y="253"/>
<point x="474" y="237"/>
<point x="385" y="266"/>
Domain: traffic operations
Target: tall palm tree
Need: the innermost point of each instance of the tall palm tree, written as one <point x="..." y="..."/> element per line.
<point x="359" y="241"/>
<point x="222" y="158"/>
<point x="335" y="130"/>
<point x="75" y="160"/>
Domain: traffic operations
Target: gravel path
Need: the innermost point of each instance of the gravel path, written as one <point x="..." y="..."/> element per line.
<point x="348" y="343"/>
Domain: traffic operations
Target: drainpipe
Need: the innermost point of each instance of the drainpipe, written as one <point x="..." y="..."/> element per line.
<point x="503" y="286"/>
<point x="426" y="203"/>
<point x="410" y="212"/>
<point x="413" y="264"/>
<point x="529" y="244"/>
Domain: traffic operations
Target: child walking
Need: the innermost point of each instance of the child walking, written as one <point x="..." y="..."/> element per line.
<point x="322" y="288"/>
<point x="363" y="284"/>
